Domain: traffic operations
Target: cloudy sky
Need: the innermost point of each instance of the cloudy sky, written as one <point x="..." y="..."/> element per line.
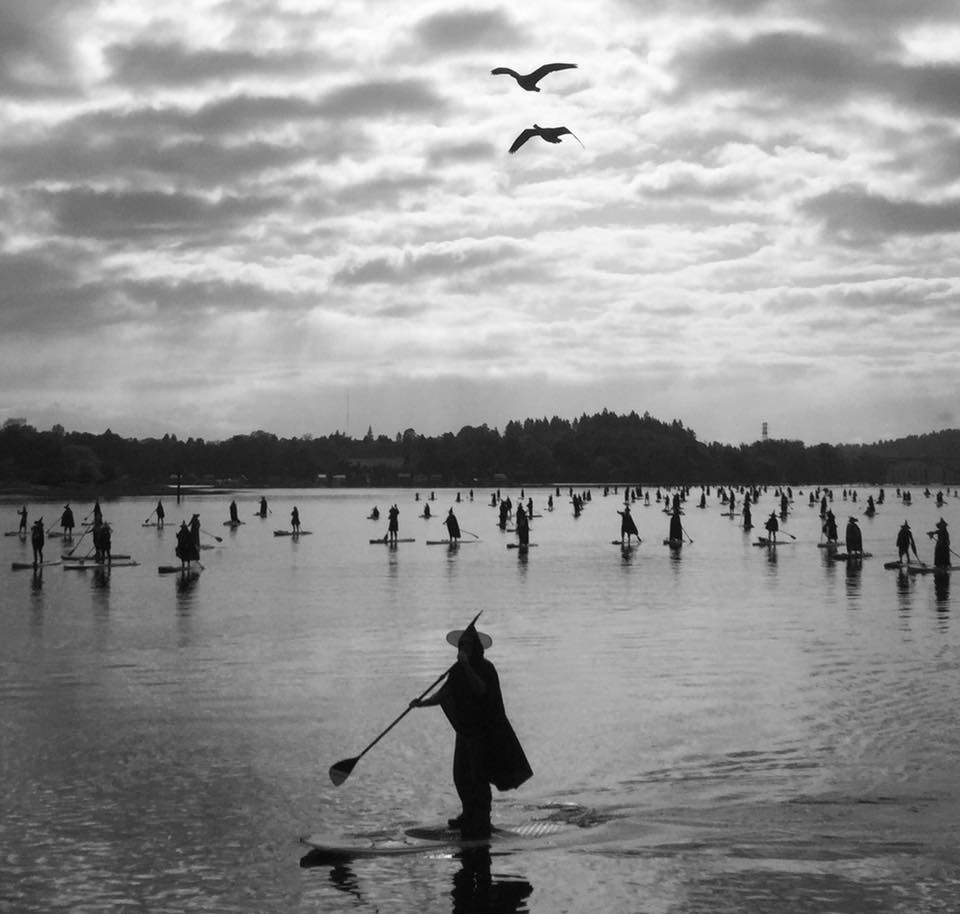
<point x="301" y="216"/>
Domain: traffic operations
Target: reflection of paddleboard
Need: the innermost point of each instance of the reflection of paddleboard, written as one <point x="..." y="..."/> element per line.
<point x="425" y="841"/>
<point x="178" y="569"/>
<point x="673" y="544"/>
<point x="20" y="566"/>
<point x="292" y="532"/>
<point x="847" y="557"/>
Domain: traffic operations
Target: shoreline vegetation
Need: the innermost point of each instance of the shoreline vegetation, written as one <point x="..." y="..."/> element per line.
<point x="602" y="449"/>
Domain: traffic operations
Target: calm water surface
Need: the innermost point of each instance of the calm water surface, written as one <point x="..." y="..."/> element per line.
<point x="743" y="730"/>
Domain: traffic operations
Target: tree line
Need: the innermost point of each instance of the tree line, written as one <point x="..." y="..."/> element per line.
<point x="602" y="448"/>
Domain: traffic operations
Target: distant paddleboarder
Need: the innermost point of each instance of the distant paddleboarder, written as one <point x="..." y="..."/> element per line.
<point x="854" y="538"/>
<point x="906" y="544"/>
<point x="453" y="527"/>
<point x="628" y="526"/>
<point x="66" y="522"/>
<point x="486" y="750"/>
<point x="772" y="526"/>
<point x="186" y="549"/>
<point x="23" y="520"/>
<point x="36" y="541"/>
<point x="393" y="523"/>
<point x="941" y="549"/>
<point x="160" y="514"/>
<point x="295" y="520"/>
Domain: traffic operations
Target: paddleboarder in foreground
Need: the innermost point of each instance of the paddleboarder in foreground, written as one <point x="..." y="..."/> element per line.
<point x="486" y="750"/>
<point x="628" y="527"/>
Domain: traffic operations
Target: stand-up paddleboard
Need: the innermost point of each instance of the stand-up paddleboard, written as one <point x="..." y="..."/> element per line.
<point x="449" y="543"/>
<point x="848" y="557"/>
<point x="16" y="533"/>
<point x="90" y="560"/>
<point x="292" y="532"/>
<point x="94" y="566"/>
<point x="21" y="566"/>
<point x="628" y="545"/>
<point x="828" y="545"/>
<point x="673" y="544"/>
<point x="180" y="569"/>
<point x="233" y="523"/>
<point x="383" y="541"/>
<point x="932" y="569"/>
<point x="441" y="839"/>
<point x="521" y="546"/>
<point x="897" y="565"/>
<point x="766" y="541"/>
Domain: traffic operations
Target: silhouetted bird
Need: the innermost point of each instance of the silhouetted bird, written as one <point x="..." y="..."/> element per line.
<point x="550" y="134"/>
<point x="529" y="82"/>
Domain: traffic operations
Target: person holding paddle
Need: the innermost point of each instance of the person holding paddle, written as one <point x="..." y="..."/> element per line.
<point x="453" y="527"/>
<point x="486" y="750"/>
<point x="393" y="523"/>
<point x="906" y="543"/>
<point x="628" y="527"/>
<point x="941" y="549"/>
<point x="160" y="514"/>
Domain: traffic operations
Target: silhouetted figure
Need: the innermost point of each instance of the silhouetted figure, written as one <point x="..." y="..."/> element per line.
<point x="628" y="527"/>
<point x="854" y="538"/>
<point x="941" y="549"/>
<point x="487" y="750"/>
<point x="453" y="526"/>
<point x="37" y="539"/>
<point x="295" y="520"/>
<point x="66" y="522"/>
<point x="23" y="520"/>
<point x="393" y="523"/>
<point x="772" y="526"/>
<point x="906" y="543"/>
<point x="160" y="514"/>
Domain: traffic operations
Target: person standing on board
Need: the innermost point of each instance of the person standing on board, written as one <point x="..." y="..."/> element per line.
<point x="393" y="523"/>
<point x="906" y="544"/>
<point x="772" y="526"/>
<point x="628" y="526"/>
<point x="854" y="537"/>
<point x="676" y="527"/>
<point x="263" y="506"/>
<point x="234" y="515"/>
<point x="453" y="527"/>
<point x="160" y="514"/>
<point x="186" y="549"/>
<point x="523" y="528"/>
<point x="195" y="533"/>
<point x="66" y="522"/>
<point x="486" y="750"/>
<point x="295" y="520"/>
<point x="747" y="516"/>
<point x="830" y="529"/>
<point x="23" y="520"/>
<point x="36" y="540"/>
<point x="941" y="550"/>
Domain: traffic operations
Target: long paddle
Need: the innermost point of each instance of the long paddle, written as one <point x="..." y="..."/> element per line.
<point x="340" y="771"/>
<point x="154" y="511"/>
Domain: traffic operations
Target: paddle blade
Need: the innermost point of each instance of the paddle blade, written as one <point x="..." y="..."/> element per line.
<point x="341" y="770"/>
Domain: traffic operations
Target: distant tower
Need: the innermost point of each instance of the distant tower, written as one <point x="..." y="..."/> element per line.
<point x="763" y="432"/>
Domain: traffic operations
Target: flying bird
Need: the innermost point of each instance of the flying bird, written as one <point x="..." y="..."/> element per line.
<point x="550" y="134"/>
<point x="530" y="80"/>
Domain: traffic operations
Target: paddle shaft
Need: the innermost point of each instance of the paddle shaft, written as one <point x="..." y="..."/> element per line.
<point x="408" y="709"/>
<point x="217" y="538"/>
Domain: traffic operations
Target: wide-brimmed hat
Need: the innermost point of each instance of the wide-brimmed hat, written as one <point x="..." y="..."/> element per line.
<point x="454" y="637"/>
<point x="941" y="523"/>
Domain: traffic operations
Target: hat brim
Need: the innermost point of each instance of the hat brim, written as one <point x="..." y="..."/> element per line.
<point x="454" y="638"/>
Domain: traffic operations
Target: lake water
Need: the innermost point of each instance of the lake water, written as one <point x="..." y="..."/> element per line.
<point x="744" y="730"/>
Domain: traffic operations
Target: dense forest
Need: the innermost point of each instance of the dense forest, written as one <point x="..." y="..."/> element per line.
<point x="602" y="448"/>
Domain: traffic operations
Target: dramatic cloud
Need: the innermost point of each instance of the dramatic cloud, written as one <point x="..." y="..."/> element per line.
<point x="323" y="199"/>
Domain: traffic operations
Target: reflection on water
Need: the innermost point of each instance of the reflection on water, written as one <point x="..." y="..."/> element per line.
<point x="164" y="743"/>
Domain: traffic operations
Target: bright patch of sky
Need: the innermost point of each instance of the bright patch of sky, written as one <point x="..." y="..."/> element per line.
<point x="300" y="217"/>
